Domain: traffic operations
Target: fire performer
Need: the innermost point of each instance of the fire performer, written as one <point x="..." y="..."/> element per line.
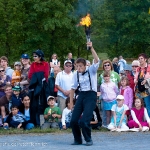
<point x="86" y="81"/>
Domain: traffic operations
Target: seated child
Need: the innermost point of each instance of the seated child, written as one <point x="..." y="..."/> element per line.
<point x="51" y="114"/>
<point x="139" y="113"/>
<point x="66" y="115"/>
<point x="119" y="118"/>
<point x="15" y="119"/>
<point x="96" y="121"/>
<point x="16" y="76"/>
<point x="16" y="98"/>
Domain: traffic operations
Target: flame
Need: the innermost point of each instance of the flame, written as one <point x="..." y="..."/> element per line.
<point x="86" y="20"/>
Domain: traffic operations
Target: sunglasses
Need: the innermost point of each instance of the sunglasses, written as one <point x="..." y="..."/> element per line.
<point x="68" y="65"/>
<point x="35" y="56"/>
<point x="18" y="65"/>
<point x="135" y="66"/>
<point x="106" y="65"/>
<point x="2" y="70"/>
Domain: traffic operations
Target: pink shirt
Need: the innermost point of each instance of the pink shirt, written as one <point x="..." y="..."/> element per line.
<point x="142" y="70"/>
<point x="109" y="91"/>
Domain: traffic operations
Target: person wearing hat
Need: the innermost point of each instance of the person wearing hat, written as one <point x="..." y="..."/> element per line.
<point x="134" y="65"/>
<point x="119" y="119"/>
<point x="63" y="84"/>
<point x="51" y="114"/>
<point x="72" y="60"/>
<point x="39" y="64"/>
<point x="25" y="61"/>
<point x="16" y="76"/>
<point x="16" y="98"/>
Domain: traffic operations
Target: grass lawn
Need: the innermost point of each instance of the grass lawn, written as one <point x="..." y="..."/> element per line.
<point x="38" y="131"/>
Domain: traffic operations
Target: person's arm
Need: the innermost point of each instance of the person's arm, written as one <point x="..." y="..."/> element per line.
<point x="63" y="117"/>
<point x="31" y="71"/>
<point x="94" y="54"/>
<point x="130" y="98"/>
<point x="114" y="116"/>
<point x="14" y="76"/>
<point x="71" y="98"/>
<point x="120" y="123"/>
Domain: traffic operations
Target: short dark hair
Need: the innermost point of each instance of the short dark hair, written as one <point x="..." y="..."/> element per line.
<point x="143" y="55"/>
<point x="14" y="106"/>
<point x="24" y="95"/>
<point x="68" y="101"/>
<point x="81" y="60"/>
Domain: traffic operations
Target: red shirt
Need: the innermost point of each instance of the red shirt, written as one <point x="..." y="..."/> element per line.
<point x="43" y="66"/>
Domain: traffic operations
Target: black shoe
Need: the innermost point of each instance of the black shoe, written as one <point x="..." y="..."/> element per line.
<point x="89" y="143"/>
<point x="76" y="143"/>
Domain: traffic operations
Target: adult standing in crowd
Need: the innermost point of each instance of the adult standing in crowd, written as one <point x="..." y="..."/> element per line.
<point x="39" y="64"/>
<point x="86" y="101"/>
<point x="115" y="64"/>
<point x="63" y="84"/>
<point x="4" y="63"/>
<point x="54" y="62"/>
<point x="24" y="72"/>
<point x="141" y="76"/>
<point x="38" y="88"/>
<point x="122" y="62"/>
<point x="71" y="59"/>
<point x="134" y="65"/>
<point x="4" y="80"/>
<point x="51" y="82"/>
<point x="114" y="77"/>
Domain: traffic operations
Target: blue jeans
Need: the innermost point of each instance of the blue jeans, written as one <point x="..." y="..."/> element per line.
<point x="29" y="126"/>
<point x="103" y="114"/>
<point x="147" y="104"/>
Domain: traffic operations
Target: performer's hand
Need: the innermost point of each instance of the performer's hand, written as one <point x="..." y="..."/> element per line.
<point x="89" y="44"/>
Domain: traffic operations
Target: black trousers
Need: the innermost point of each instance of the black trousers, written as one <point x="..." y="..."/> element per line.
<point x="86" y="103"/>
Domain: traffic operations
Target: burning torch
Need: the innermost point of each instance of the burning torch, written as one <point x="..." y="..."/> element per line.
<point x="86" y="21"/>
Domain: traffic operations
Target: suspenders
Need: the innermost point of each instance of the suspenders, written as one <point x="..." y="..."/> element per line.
<point x="79" y="87"/>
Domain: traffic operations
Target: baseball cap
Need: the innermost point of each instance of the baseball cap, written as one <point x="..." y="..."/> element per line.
<point x="120" y="97"/>
<point x="16" y="88"/>
<point x="17" y="63"/>
<point x="135" y="63"/>
<point x="67" y="61"/>
<point x="50" y="97"/>
<point x="25" y="56"/>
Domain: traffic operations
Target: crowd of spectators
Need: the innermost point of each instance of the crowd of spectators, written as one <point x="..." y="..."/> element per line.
<point x="37" y="93"/>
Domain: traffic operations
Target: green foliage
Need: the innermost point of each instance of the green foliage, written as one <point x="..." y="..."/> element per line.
<point x="123" y="27"/>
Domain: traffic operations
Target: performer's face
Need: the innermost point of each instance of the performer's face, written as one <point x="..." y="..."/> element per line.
<point x="80" y="67"/>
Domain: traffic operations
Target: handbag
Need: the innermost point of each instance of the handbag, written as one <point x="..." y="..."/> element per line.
<point x="141" y="88"/>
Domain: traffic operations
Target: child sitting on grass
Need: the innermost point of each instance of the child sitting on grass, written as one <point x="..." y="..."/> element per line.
<point x="66" y="115"/>
<point x="15" y="119"/>
<point x="139" y="114"/>
<point x="51" y="114"/>
<point x="119" y="118"/>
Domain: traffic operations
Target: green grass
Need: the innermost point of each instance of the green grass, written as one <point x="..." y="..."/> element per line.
<point x="39" y="131"/>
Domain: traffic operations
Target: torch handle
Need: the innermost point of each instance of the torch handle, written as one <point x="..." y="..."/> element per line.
<point x="88" y="40"/>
